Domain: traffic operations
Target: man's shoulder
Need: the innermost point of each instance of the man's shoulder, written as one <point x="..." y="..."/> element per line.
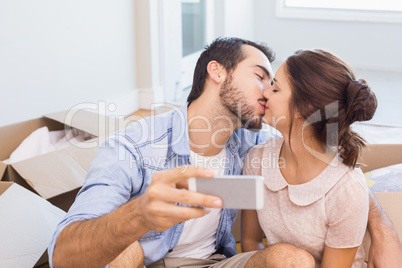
<point x="143" y="133"/>
<point x="250" y="138"/>
<point x="148" y="128"/>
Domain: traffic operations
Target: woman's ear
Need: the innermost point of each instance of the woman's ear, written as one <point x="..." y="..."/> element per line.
<point x="216" y="71"/>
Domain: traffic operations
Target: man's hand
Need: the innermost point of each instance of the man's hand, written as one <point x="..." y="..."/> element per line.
<point x="385" y="252"/>
<point x="158" y="204"/>
<point x="155" y="210"/>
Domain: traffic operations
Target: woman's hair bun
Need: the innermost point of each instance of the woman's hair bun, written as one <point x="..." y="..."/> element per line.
<point x="360" y="101"/>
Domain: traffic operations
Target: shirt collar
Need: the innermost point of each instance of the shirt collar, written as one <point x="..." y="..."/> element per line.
<point x="309" y="192"/>
<point x="233" y="143"/>
<point x="178" y="123"/>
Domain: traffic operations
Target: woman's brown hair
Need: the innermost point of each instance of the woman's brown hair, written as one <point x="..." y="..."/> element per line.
<point x="324" y="86"/>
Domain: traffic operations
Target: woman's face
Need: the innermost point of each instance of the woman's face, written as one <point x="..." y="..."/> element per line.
<point x="278" y="100"/>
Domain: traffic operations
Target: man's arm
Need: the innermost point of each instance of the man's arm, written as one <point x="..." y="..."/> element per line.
<point x="132" y="256"/>
<point x="386" y="248"/>
<point x="97" y="242"/>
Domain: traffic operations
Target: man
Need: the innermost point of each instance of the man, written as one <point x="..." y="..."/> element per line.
<point x="132" y="206"/>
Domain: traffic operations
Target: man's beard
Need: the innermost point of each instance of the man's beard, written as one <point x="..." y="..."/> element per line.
<point x="234" y="99"/>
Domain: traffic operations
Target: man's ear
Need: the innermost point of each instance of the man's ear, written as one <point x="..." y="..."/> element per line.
<point x="216" y="71"/>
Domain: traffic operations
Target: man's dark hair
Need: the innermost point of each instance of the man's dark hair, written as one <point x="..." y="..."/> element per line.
<point x="228" y="52"/>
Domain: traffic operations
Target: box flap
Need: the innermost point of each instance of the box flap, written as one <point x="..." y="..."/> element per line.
<point x="391" y="204"/>
<point x="4" y="185"/>
<point x="11" y="136"/>
<point x="380" y="155"/>
<point x="58" y="172"/>
<point x="27" y="225"/>
<point x="88" y="121"/>
<point x="2" y="169"/>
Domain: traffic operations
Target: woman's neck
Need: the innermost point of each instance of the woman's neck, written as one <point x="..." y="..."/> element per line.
<point x="304" y="158"/>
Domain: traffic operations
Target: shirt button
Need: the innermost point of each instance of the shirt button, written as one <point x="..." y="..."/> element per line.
<point x="170" y="250"/>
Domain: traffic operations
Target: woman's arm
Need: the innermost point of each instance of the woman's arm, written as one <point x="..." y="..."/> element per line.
<point x="386" y="248"/>
<point x="251" y="232"/>
<point x="338" y="257"/>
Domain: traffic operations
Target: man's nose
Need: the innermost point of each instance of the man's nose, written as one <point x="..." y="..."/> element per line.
<point x="266" y="91"/>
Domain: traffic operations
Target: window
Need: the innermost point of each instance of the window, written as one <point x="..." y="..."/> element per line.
<point x="188" y="25"/>
<point x="347" y="10"/>
<point x="193" y="26"/>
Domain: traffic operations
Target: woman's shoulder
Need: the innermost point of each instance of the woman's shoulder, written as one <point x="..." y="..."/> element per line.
<point x="351" y="187"/>
<point x="353" y="179"/>
<point x="346" y="208"/>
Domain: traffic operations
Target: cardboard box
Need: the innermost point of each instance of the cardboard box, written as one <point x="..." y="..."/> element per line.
<point x="382" y="155"/>
<point x="373" y="157"/>
<point x="377" y="156"/>
<point x="27" y="224"/>
<point x="58" y="175"/>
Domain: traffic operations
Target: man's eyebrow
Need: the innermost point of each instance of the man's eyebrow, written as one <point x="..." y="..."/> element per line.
<point x="265" y="70"/>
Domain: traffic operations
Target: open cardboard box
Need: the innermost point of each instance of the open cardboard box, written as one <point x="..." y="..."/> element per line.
<point x="373" y="157"/>
<point x="27" y="224"/>
<point x="57" y="175"/>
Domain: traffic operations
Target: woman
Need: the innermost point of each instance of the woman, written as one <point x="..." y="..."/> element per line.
<point x="315" y="197"/>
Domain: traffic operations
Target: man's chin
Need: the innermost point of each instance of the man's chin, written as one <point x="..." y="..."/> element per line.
<point x="254" y="125"/>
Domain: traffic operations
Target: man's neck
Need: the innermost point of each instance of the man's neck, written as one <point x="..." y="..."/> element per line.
<point x="209" y="126"/>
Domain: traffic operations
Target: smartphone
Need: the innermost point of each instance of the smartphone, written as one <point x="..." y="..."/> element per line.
<point x="236" y="192"/>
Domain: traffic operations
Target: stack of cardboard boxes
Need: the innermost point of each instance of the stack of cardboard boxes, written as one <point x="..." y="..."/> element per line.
<point x="36" y="192"/>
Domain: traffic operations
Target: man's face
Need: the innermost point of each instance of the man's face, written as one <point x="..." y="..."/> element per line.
<point x="241" y="93"/>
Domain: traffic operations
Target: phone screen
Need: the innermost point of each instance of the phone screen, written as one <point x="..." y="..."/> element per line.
<point x="236" y="192"/>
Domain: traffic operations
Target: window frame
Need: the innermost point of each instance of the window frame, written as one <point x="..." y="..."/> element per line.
<point x="283" y="11"/>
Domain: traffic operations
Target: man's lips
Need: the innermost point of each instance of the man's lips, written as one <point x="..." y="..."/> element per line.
<point x="264" y="106"/>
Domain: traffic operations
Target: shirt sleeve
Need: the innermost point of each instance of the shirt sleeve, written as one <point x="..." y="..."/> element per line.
<point x="113" y="178"/>
<point x="347" y="206"/>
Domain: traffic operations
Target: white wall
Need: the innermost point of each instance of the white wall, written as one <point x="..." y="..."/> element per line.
<point x="56" y="54"/>
<point x="238" y="18"/>
<point x="363" y="44"/>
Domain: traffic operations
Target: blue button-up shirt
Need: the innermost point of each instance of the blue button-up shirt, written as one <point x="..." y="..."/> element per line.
<point x="124" y="167"/>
